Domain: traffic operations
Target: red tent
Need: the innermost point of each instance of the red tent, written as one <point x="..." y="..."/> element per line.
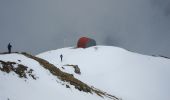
<point x="85" y="42"/>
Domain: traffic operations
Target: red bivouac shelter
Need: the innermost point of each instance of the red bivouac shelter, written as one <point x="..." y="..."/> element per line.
<point x="85" y="42"/>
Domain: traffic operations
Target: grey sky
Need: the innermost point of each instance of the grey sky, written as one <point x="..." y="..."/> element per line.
<point x="39" y="25"/>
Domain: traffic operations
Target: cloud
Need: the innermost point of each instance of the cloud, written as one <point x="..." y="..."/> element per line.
<point x="37" y="26"/>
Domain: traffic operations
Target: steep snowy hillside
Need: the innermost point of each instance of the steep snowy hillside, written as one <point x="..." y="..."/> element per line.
<point x="26" y="77"/>
<point x="125" y="74"/>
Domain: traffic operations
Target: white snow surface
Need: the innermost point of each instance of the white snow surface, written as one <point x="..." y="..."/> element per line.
<point x="46" y="87"/>
<point x="125" y="74"/>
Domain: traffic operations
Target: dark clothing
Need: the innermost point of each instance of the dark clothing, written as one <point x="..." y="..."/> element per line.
<point x="61" y="57"/>
<point x="9" y="48"/>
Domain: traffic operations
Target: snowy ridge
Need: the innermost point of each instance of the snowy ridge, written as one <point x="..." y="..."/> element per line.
<point x="28" y="60"/>
<point x="125" y="74"/>
<point x="128" y="75"/>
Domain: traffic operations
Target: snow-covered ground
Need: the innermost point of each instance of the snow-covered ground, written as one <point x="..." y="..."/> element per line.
<point x="128" y="75"/>
<point x="45" y="87"/>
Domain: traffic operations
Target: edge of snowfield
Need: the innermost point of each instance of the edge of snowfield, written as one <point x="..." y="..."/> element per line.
<point x="128" y="75"/>
<point x="45" y="87"/>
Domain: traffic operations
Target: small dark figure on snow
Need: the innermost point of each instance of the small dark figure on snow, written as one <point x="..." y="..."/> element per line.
<point x="9" y="48"/>
<point x="61" y="57"/>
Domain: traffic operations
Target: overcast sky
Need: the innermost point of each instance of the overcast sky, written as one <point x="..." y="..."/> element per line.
<point x="36" y="26"/>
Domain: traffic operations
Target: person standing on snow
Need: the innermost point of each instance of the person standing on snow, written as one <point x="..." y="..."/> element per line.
<point x="9" y="48"/>
<point x="61" y="57"/>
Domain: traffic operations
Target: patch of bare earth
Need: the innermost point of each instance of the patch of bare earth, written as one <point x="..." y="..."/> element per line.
<point x="76" y="68"/>
<point x="21" y="70"/>
<point x="66" y="77"/>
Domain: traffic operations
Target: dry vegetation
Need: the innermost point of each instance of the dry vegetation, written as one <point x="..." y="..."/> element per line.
<point x="21" y="70"/>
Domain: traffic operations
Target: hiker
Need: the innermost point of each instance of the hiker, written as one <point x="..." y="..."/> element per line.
<point x="9" y="48"/>
<point x="61" y="57"/>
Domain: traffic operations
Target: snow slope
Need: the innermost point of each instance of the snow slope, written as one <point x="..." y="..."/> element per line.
<point x="45" y="87"/>
<point x="128" y="75"/>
